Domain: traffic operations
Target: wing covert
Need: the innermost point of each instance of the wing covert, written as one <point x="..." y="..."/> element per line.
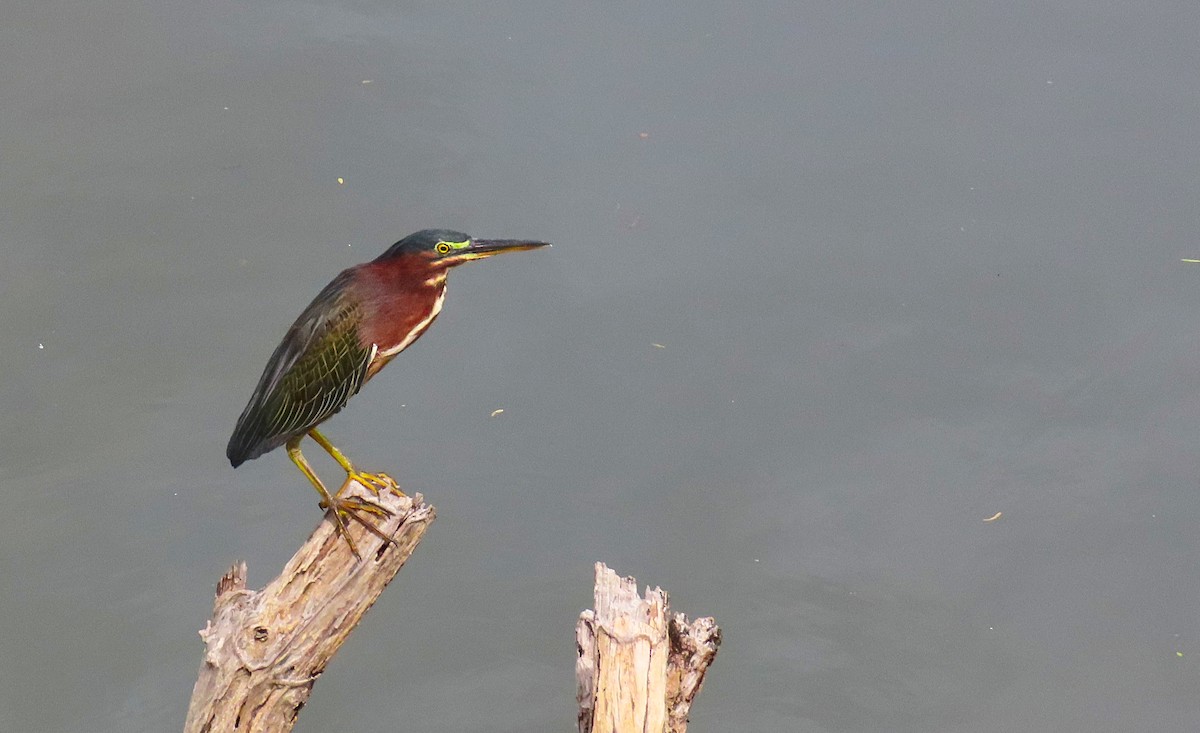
<point x="317" y="368"/>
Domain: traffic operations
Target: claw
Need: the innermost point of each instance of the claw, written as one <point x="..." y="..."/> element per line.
<point x="341" y="507"/>
<point x="373" y="530"/>
<point x="366" y="505"/>
<point x="340" y="523"/>
<point x="348" y="507"/>
<point x="376" y="482"/>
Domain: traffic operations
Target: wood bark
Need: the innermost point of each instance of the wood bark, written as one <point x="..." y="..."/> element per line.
<point x="639" y="667"/>
<point x="265" y="649"/>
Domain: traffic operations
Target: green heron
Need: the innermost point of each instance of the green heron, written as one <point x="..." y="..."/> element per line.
<point x="361" y="320"/>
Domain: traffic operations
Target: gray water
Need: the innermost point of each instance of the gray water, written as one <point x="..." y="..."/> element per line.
<point x="831" y="285"/>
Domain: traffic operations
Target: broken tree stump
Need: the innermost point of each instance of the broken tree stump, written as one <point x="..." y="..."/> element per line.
<point x="265" y="649"/>
<point x="639" y="668"/>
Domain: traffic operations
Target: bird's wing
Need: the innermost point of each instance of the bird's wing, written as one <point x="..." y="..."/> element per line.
<point x="313" y="373"/>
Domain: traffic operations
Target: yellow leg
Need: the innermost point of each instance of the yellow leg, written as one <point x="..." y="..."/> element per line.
<point x="376" y="482"/>
<point x="341" y="509"/>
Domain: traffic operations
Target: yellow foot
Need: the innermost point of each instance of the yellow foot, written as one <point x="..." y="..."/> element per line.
<point x="349" y="507"/>
<point x="376" y="482"/>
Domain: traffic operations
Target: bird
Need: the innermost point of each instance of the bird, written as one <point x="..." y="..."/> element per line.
<point x="353" y="328"/>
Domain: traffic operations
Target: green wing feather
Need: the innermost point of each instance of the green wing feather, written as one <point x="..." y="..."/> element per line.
<point x="313" y="373"/>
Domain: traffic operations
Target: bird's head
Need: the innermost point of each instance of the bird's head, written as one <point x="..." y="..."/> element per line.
<point x="446" y="248"/>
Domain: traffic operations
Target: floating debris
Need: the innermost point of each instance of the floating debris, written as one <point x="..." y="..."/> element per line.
<point x="497" y="412"/>
<point x="994" y="517"/>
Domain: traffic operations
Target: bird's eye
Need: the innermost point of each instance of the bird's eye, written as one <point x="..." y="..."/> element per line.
<point x="444" y="247"/>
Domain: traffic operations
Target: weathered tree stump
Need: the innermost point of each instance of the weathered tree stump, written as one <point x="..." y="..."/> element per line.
<point x="639" y="668"/>
<point x="266" y="648"/>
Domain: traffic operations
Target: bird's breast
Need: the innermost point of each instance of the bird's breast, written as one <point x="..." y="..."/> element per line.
<point x="398" y="318"/>
<point x="414" y="327"/>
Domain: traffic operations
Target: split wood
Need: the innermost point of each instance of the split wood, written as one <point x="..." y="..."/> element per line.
<point x="265" y="649"/>
<point x="639" y="667"/>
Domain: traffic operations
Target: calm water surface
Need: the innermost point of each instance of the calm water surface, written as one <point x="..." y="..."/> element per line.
<point x="831" y="285"/>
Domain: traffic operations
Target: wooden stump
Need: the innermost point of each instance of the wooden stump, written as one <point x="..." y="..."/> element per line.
<point x="266" y="648"/>
<point x="639" y="668"/>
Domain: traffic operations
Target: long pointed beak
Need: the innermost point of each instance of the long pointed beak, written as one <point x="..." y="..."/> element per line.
<point x="481" y="248"/>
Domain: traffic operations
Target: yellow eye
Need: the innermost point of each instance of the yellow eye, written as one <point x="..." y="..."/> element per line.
<point x="443" y="248"/>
